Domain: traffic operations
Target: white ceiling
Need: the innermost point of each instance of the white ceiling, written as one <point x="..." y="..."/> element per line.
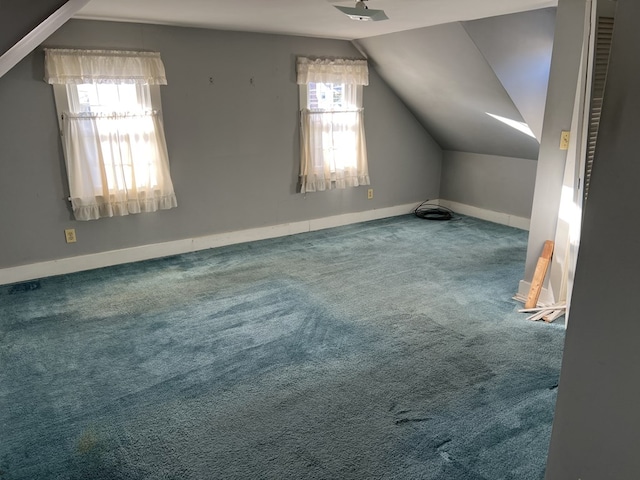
<point x="313" y="18"/>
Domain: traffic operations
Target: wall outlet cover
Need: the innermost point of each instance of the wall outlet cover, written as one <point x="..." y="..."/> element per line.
<point x="70" y="235"/>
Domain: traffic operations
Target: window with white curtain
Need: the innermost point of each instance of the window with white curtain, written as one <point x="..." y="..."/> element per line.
<point x="112" y="134"/>
<point x="333" y="151"/>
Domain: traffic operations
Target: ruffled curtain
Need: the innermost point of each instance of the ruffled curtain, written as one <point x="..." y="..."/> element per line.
<point x="333" y="151"/>
<point x="117" y="161"/>
<point x="132" y="174"/>
<point x="64" y="67"/>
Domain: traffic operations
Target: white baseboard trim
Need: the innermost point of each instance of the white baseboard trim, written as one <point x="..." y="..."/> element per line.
<point x="489" y="215"/>
<point x="134" y="254"/>
<point x="146" y="252"/>
<point x="546" y="297"/>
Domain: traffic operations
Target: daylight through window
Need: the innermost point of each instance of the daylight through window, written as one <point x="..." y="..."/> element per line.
<point x="333" y="147"/>
<point x="113" y="139"/>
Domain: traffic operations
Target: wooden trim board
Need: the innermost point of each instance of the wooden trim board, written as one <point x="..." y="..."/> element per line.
<point x="540" y="273"/>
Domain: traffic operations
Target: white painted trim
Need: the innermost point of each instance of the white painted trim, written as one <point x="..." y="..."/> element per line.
<point x="39" y="34"/>
<point x="489" y="215"/>
<point x="115" y="257"/>
<point x="145" y="252"/>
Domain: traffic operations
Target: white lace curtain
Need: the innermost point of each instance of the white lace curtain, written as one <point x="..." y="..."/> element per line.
<point x="115" y="150"/>
<point x="333" y="151"/>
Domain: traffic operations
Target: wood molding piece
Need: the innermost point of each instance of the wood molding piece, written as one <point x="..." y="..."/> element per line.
<point x="546" y="295"/>
<point x="540" y="273"/>
<point x="543" y="307"/>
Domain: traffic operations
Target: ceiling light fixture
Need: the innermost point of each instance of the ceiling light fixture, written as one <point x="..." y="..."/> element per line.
<point x="363" y="13"/>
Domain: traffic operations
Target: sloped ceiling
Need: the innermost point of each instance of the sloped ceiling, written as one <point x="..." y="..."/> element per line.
<point x="518" y="49"/>
<point x="451" y="76"/>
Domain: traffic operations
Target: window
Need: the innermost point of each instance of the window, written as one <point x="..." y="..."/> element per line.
<point x="332" y="140"/>
<point x="113" y="139"/>
<point x="327" y="96"/>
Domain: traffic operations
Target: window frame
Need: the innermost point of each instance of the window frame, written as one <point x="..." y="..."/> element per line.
<point x="114" y="144"/>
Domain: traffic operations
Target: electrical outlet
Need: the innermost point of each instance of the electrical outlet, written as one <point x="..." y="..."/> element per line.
<point x="370" y="193"/>
<point x="564" y="140"/>
<point x="70" y="235"/>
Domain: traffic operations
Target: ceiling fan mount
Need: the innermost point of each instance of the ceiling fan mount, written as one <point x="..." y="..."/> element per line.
<point x="362" y="12"/>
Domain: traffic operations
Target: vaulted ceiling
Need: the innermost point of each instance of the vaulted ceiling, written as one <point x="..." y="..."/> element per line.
<point x="452" y="62"/>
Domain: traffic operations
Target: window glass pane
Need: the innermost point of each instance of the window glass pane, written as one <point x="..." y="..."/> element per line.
<point x="326" y="96"/>
<point x="108" y="98"/>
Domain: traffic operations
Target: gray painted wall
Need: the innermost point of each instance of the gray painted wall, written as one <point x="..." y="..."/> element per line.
<point x="500" y="184"/>
<point x="596" y="431"/>
<point x="233" y="144"/>
<point x="563" y="80"/>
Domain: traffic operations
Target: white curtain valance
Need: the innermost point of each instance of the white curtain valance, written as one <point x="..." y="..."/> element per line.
<point x="354" y="72"/>
<point x="65" y="66"/>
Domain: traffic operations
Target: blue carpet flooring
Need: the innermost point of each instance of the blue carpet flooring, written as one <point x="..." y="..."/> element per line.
<point x="384" y="350"/>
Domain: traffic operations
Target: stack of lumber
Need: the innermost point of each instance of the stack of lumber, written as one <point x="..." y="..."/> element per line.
<point x="548" y="314"/>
